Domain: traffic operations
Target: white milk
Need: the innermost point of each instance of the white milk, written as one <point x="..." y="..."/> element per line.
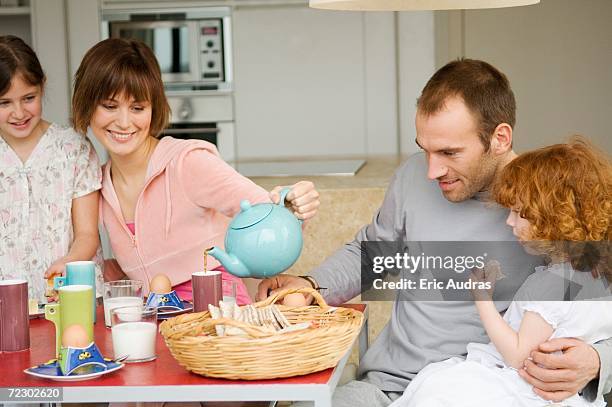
<point x="116" y="302"/>
<point x="136" y="339"/>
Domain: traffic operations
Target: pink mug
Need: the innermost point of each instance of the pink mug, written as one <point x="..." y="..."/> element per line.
<point x="14" y="317"/>
<point x="207" y="289"/>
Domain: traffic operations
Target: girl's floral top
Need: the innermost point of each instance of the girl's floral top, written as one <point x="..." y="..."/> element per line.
<point x="36" y="201"/>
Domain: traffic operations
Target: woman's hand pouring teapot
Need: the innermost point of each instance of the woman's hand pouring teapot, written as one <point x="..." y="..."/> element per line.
<point x="262" y="240"/>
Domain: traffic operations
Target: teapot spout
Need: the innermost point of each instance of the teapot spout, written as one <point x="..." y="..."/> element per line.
<point x="231" y="263"/>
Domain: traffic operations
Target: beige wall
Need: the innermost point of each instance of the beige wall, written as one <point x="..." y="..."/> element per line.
<point x="557" y="56"/>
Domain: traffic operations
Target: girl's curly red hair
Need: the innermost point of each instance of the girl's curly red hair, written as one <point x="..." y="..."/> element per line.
<point x="563" y="190"/>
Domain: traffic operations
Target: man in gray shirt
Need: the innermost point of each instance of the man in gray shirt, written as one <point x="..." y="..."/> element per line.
<point x="464" y="126"/>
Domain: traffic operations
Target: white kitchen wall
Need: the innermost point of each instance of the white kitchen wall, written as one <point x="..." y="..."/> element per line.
<point x="557" y="56"/>
<point x="314" y="83"/>
<point x="48" y="27"/>
<point x="83" y="19"/>
<point x="416" y="65"/>
<point x="381" y="95"/>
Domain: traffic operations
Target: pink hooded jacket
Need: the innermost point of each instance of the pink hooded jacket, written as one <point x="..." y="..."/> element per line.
<point x="189" y="196"/>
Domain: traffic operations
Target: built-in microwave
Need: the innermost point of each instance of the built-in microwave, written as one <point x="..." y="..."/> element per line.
<point x="192" y="46"/>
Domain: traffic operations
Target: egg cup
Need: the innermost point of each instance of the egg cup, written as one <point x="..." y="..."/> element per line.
<point x="73" y="360"/>
<point x="169" y="300"/>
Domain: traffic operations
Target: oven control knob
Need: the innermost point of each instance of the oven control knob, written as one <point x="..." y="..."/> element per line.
<point x="184" y="114"/>
<point x="210" y="44"/>
<point x="185" y="110"/>
<point x="211" y="64"/>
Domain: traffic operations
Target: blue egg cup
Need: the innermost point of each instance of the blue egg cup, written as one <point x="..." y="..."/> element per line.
<point x="165" y="301"/>
<point x="79" y="360"/>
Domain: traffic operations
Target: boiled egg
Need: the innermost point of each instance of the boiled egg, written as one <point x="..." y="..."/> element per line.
<point x="295" y="300"/>
<point x="75" y="336"/>
<point x="160" y="284"/>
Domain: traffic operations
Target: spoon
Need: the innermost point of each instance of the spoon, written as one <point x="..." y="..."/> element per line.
<point x="120" y="358"/>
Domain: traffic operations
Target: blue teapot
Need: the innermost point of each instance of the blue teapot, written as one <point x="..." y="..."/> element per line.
<point x="262" y="240"/>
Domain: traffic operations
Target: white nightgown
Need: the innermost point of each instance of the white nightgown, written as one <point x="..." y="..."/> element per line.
<point x="483" y="378"/>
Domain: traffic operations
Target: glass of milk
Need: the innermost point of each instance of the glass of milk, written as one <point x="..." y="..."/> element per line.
<point x="134" y="332"/>
<point x="121" y="293"/>
<point x="229" y="291"/>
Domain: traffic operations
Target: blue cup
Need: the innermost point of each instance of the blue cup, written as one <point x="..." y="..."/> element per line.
<point x="79" y="273"/>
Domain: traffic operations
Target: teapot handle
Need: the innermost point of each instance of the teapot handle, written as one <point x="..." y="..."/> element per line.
<point x="283" y="196"/>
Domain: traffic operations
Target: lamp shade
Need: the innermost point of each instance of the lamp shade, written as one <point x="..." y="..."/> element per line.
<point x="399" y="5"/>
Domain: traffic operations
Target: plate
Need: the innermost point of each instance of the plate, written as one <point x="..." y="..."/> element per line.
<point x="51" y="371"/>
<point x="188" y="307"/>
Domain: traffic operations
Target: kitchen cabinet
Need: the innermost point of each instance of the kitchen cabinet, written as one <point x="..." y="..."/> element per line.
<point x="320" y="83"/>
<point x="304" y="79"/>
<point x="299" y="79"/>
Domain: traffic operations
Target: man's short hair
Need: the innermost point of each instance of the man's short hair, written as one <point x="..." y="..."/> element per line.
<point x="485" y="91"/>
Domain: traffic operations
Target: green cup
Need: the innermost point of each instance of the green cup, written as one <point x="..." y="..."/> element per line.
<point x="77" y="273"/>
<point x="75" y="307"/>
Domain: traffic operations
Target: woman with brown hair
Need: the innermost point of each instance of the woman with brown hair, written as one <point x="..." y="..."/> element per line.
<point x="164" y="201"/>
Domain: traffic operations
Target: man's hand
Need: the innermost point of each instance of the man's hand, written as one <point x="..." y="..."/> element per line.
<point x="557" y="376"/>
<point x="270" y="286"/>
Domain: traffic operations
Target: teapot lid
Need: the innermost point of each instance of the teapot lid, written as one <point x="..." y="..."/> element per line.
<point x="250" y="214"/>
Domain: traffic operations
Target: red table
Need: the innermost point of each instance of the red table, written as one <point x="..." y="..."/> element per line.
<point x="162" y="379"/>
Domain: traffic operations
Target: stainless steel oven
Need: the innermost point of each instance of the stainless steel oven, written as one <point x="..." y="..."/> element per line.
<point x="206" y="117"/>
<point x="192" y="46"/>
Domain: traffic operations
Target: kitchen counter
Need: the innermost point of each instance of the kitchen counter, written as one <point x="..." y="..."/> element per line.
<point x="376" y="173"/>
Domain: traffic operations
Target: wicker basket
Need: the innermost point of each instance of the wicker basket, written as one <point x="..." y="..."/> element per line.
<point x="192" y="341"/>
